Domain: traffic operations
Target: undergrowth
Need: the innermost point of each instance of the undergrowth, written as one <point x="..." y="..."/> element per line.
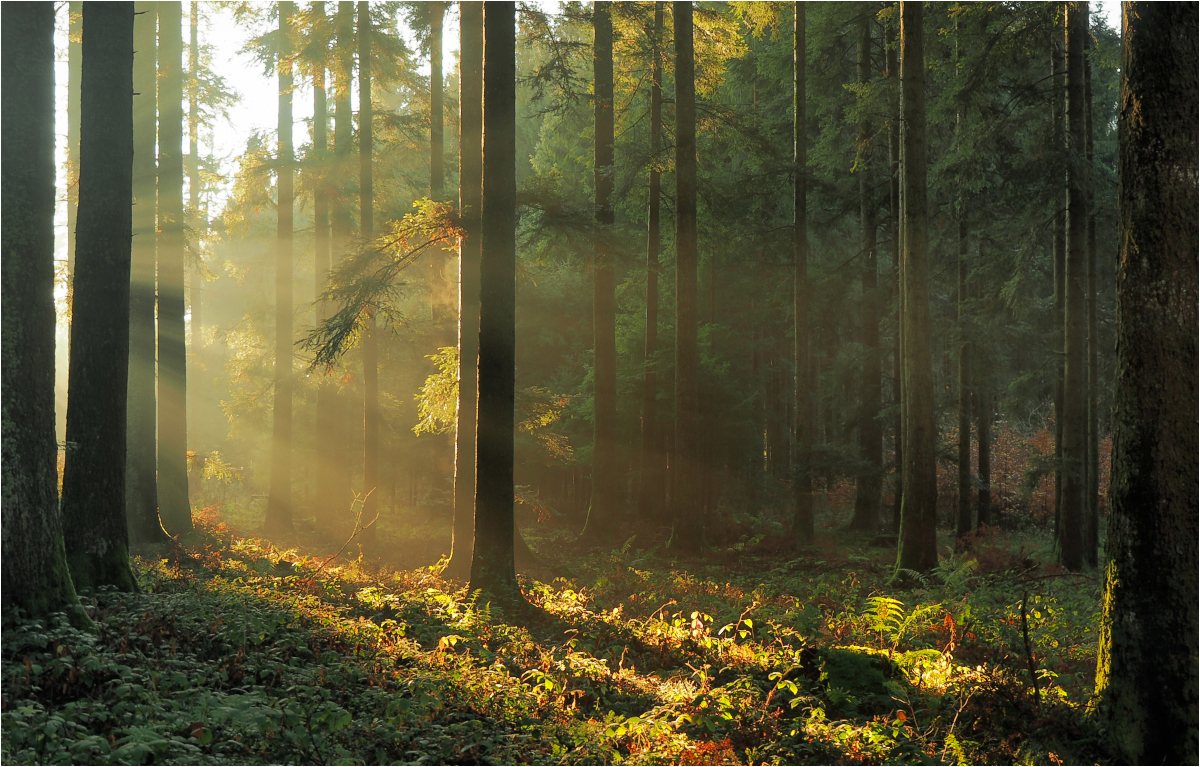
<point x="237" y="652"/>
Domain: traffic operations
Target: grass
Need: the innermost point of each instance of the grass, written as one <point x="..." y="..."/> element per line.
<point x="238" y="651"/>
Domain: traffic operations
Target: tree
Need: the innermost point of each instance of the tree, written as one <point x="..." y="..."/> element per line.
<point x="370" y="353"/>
<point x="802" y="524"/>
<point x="141" y="491"/>
<point x="74" y="76"/>
<point x="870" y="430"/>
<point x="35" y="573"/>
<point x="199" y="222"/>
<point x="964" y="347"/>
<point x="173" y="505"/>
<point x="279" y="498"/>
<point x="893" y="73"/>
<point x="1146" y="677"/>
<point x="917" y="547"/>
<point x="685" y="484"/>
<point x="470" y="180"/>
<point x="603" y="509"/>
<point x="1091" y="544"/>
<point x="93" y="490"/>
<point x="492" y="566"/>
<point x="651" y="487"/>
<point x="1059" y="250"/>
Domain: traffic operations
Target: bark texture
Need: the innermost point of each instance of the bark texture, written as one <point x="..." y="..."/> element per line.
<point x="1146" y="681"/>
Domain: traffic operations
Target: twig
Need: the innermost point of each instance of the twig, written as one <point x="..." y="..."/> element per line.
<point x="1037" y="696"/>
<point x="358" y="528"/>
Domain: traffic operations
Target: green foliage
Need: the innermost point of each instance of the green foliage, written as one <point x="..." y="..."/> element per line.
<point x="437" y="402"/>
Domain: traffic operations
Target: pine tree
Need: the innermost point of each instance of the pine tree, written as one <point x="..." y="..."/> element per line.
<point x="802" y="524"/>
<point x="366" y="221"/>
<point x="964" y="347"/>
<point x="34" y="564"/>
<point x="1146" y="677"/>
<point x="93" y="490"/>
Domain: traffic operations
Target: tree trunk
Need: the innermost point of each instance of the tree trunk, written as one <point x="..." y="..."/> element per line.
<point x="983" y="416"/>
<point x="492" y="567"/>
<point x="964" y="346"/>
<point x="1091" y="544"/>
<point x="93" y="492"/>
<point x="870" y="430"/>
<point x="35" y="574"/>
<point x="173" y="505"/>
<point x="651" y="488"/>
<point x="74" y="77"/>
<point x="893" y="70"/>
<point x="141" y="484"/>
<point x="324" y="435"/>
<point x="279" y="499"/>
<point x="1073" y="516"/>
<point x="602" y="513"/>
<point x="366" y="213"/>
<point x="199" y="221"/>
<point x="437" y="147"/>
<point x="1147" y="670"/>
<point x="918" y="515"/>
<point x="1057" y="96"/>
<point x="686" y="513"/>
<point x="470" y="179"/>
<point x="802" y="522"/>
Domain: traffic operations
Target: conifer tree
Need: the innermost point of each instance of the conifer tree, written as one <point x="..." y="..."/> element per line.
<point x="366" y="220"/>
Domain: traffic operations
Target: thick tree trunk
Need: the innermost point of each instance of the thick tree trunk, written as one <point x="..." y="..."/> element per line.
<point x="802" y="522"/>
<point x="1091" y="544"/>
<point x="173" y="505"/>
<point x="366" y="220"/>
<point x="603" y="510"/>
<point x="870" y="430"/>
<point x="279" y="499"/>
<point x="918" y="516"/>
<point x="141" y="484"/>
<point x="893" y="69"/>
<point x="492" y="567"/>
<point x="34" y="563"/>
<point x="470" y="179"/>
<point x="651" y="487"/>
<point x="1072" y="514"/>
<point x="1146" y="679"/>
<point x="686" y="512"/>
<point x="93" y="493"/>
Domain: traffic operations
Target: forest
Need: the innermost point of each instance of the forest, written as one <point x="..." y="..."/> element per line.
<point x="600" y="383"/>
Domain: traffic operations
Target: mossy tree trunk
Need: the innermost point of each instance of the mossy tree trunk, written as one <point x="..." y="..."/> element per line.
<point x="34" y="563"/>
<point x="1146" y="680"/>
<point x="93" y="492"/>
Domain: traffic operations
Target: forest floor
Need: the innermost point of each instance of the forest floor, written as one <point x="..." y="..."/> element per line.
<point x="240" y="651"/>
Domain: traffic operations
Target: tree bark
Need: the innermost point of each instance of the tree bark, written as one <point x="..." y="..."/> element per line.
<point x="93" y="492"/>
<point x="1059" y="248"/>
<point x="1146" y="679"/>
<point x="802" y="522"/>
<point x="983" y="416"/>
<point x="893" y="69"/>
<point x="964" y="346"/>
<point x="279" y="499"/>
<point x="470" y="180"/>
<point x="437" y="146"/>
<point x="603" y="509"/>
<point x="870" y="430"/>
<point x="34" y="563"/>
<point x="686" y="512"/>
<point x="1091" y="547"/>
<point x="173" y="505"/>
<point x="918" y="515"/>
<point x="651" y="488"/>
<point x="141" y="483"/>
<point x="492" y="567"/>
<point x="366" y="214"/>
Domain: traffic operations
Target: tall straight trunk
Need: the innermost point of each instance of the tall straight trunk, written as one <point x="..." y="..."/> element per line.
<point x="964" y="346"/>
<point x="802" y="522"/>
<point x="651" y="487"/>
<point x="1059" y="246"/>
<point x="918" y="515"/>
<point x="1091" y="547"/>
<point x="492" y="566"/>
<point x="279" y="499"/>
<point x="325" y="444"/>
<point x="366" y="231"/>
<point x="893" y="69"/>
<point x="437" y="147"/>
<point x="141" y="484"/>
<point x="470" y="180"/>
<point x="601" y="514"/>
<point x="173" y="505"/>
<point x="686" y="484"/>
<point x="93" y="490"/>
<point x="74" y="77"/>
<point x="1146" y="677"/>
<point x="1073" y="515"/>
<point x="199" y="220"/>
<point x="870" y="430"/>
<point x="34" y="563"/>
<point x="983" y="416"/>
